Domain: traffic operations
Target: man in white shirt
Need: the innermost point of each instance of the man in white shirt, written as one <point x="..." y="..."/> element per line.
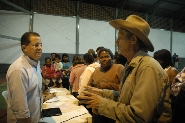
<point x="24" y="82"/>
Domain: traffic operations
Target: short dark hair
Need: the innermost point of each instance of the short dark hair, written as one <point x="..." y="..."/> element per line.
<point x="25" y="39"/>
<point x="53" y="53"/>
<point x="107" y="50"/>
<point x="99" y="48"/>
<point x="165" y="56"/>
<point x="88" y="58"/>
<point x="77" y="59"/>
<point x="91" y="51"/>
<point x="47" y="58"/>
<point x="120" y="59"/>
<point x="65" y="54"/>
<point x="57" y="56"/>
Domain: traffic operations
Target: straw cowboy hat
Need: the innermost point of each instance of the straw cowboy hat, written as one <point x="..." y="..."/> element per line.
<point x="137" y="26"/>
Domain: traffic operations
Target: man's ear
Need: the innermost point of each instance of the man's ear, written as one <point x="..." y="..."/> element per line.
<point x="23" y="47"/>
<point x="133" y="39"/>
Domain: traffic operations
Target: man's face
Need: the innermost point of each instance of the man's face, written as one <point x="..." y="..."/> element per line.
<point x="123" y="43"/>
<point x="34" y="49"/>
<point x="105" y="59"/>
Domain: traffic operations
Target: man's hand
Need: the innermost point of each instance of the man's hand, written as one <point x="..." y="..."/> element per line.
<point x="94" y="90"/>
<point x="90" y="99"/>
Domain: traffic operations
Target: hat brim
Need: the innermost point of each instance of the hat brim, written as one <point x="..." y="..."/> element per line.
<point x="119" y="23"/>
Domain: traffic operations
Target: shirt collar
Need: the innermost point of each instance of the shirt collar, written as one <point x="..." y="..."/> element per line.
<point x="30" y="61"/>
<point x="137" y="57"/>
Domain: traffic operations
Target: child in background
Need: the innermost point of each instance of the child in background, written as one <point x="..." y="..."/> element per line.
<point x="76" y="72"/>
<point x="50" y="76"/>
<point x="53" y="57"/>
<point x="58" y="67"/>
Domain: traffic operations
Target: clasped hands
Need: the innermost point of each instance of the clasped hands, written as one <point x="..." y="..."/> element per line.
<point x="91" y="97"/>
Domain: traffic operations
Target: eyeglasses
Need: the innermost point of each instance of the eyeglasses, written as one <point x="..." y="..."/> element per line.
<point x="37" y="45"/>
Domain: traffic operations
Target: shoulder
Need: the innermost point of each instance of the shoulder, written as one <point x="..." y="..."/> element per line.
<point x="146" y="64"/>
<point x="148" y="61"/>
<point x="19" y="64"/>
<point x="172" y="71"/>
<point x="117" y="65"/>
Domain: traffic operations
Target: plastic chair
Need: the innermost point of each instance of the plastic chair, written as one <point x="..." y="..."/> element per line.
<point x="5" y="95"/>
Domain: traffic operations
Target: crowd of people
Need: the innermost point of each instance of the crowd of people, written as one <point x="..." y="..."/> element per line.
<point x="128" y="86"/>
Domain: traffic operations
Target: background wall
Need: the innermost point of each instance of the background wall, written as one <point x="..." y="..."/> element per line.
<point x="58" y="34"/>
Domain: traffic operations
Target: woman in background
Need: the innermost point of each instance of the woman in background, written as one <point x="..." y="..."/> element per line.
<point x="76" y="72"/>
<point x="66" y="70"/>
<point x="164" y="58"/>
<point x="107" y="76"/>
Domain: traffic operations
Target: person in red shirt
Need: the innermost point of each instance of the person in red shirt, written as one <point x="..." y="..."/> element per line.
<point x="50" y="76"/>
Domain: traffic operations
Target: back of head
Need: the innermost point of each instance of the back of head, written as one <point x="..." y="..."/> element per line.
<point x="88" y="58"/>
<point x="77" y="59"/>
<point x="120" y="59"/>
<point x="91" y="51"/>
<point x="165" y="57"/>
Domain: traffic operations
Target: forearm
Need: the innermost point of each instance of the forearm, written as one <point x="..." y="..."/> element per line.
<point x="118" y="111"/>
<point x="109" y="94"/>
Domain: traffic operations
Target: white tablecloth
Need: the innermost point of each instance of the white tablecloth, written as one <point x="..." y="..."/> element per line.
<point x="68" y="104"/>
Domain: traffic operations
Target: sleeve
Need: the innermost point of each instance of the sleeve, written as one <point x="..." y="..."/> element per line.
<point x="61" y="66"/>
<point x="18" y="84"/>
<point x="90" y="82"/>
<point x="72" y="77"/>
<point x="110" y="94"/>
<point x="84" y="80"/>
<point x="109" y="85"/>
<point x="141" y="104"/>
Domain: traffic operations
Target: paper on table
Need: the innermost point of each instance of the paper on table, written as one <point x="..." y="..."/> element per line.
<point x="54" y="99"/>
<point x="55" y="90"/>
<point x="66" y="98"/>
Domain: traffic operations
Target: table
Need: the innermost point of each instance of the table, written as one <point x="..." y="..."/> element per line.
<point x="69" y="106"/>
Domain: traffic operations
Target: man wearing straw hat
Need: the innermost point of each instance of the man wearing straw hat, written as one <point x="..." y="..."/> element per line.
<point x="144" y="83"/>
